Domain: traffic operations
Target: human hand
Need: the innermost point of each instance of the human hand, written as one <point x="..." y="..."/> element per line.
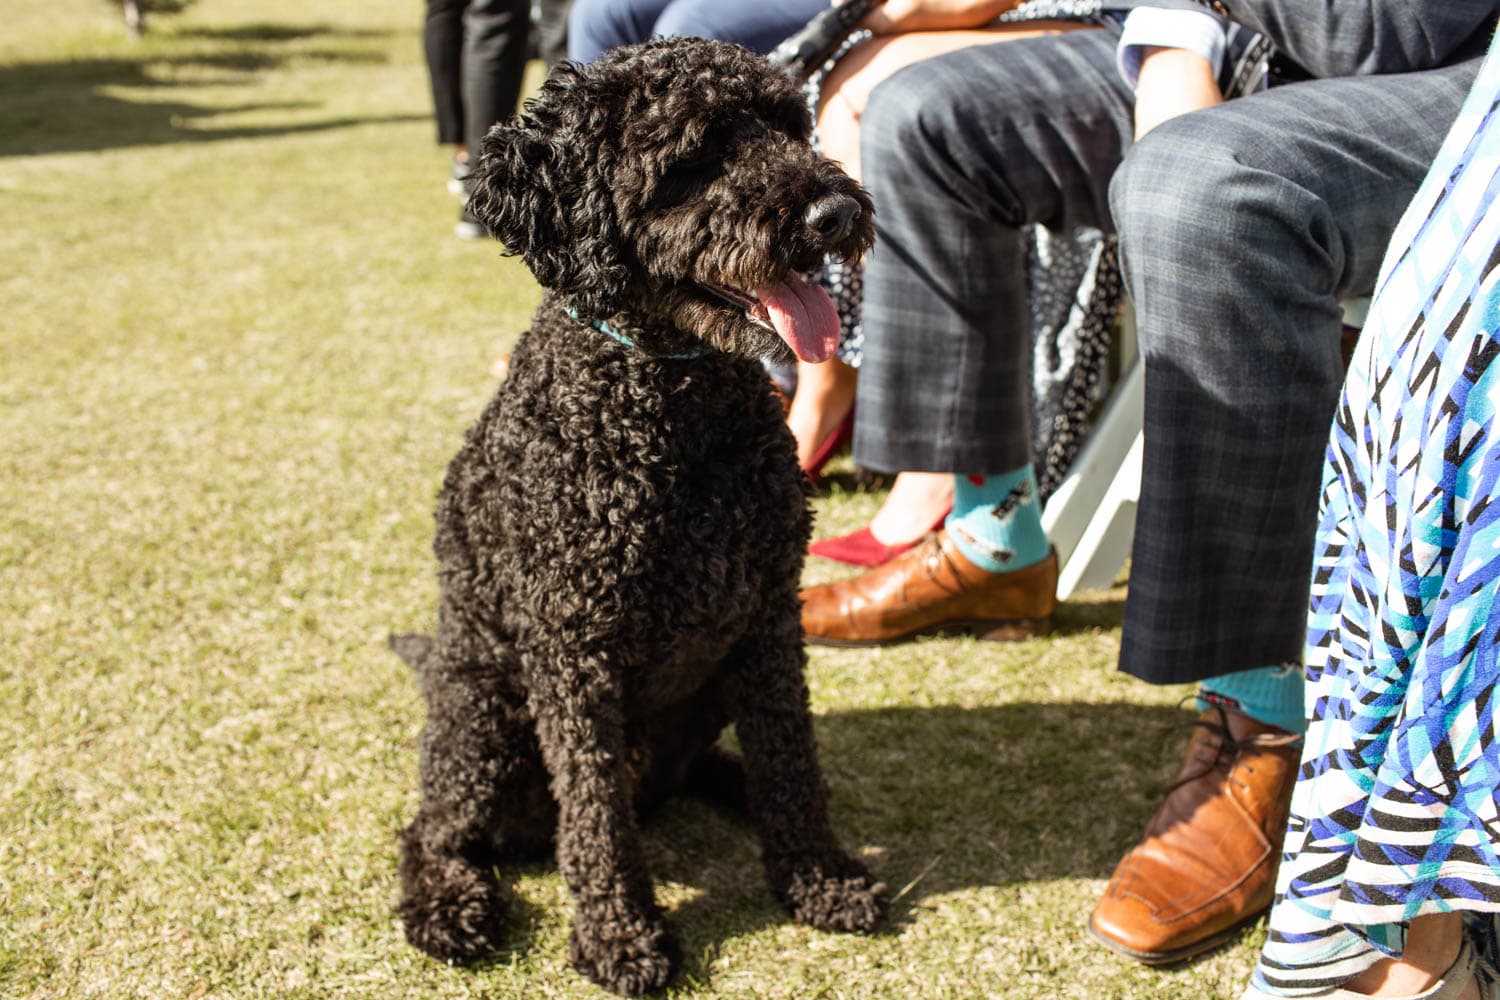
<point x="898" y="16"/>
<point x="1172" y="82"/>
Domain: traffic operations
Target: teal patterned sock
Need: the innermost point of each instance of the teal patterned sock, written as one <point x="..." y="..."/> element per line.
<point x="997" y="521"/>
<point x="1270" y="695"/>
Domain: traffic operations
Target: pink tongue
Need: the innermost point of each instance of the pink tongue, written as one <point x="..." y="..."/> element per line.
<point x="803" y="315"/>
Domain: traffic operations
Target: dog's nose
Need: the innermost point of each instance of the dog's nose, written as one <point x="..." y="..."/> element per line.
<point x="832" y="217"/>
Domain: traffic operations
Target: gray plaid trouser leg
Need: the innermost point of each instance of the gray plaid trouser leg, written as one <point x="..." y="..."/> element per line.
<point x="1241" y="227"/>
<point x="961" y="152"/>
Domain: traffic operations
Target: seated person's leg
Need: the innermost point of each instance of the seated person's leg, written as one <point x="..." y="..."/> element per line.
<point x="759" y="26"/>
<point x="960" y="153"/>
<point x="1241" y="227"/>
<point x="596" y="26"/>
<point x="846" y="91"/>
<point x="826" y="391"/>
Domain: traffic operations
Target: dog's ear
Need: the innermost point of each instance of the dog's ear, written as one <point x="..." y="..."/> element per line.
<point x="541" y="188"/>
<point x="514" y="193"/>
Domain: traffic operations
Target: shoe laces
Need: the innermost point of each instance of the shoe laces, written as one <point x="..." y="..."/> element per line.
<point x="1223" y="748"/>
<point x="1486" y="942"/>
<point x="1486" y="977"/>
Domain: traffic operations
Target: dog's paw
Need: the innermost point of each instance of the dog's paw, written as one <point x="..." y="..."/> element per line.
<point x="454" y="911"/>
<point x="622" y="950"/>
<point x="834" y="894"/>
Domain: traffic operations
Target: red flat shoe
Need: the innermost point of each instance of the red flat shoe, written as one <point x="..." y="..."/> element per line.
<point x="831" y="446"/>
<point x="861" y="548"/>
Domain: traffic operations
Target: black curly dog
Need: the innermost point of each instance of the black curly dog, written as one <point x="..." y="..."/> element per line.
<point x="621" y="536"/>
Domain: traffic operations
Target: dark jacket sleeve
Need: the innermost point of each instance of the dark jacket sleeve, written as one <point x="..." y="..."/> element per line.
<point x="1357" y="37"/>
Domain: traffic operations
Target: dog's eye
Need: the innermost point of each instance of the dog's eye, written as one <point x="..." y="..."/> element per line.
<point x="691" y="165"/>
<point x="685" y="178"/>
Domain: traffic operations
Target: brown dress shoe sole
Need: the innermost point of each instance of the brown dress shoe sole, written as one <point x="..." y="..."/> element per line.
<point x="1184" y="953"/>
<point x="989" y="631"/>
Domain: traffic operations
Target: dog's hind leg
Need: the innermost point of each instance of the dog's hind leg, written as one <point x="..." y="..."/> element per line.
<point x="620" y="939"/>
<point x="482" y="785"/>
<point x="810" y="873"/>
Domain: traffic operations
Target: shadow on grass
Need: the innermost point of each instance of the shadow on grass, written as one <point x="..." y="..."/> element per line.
<point x="1090" y="614"/>
<point x="936" y="800"/>
<point x="855" y="480"/>
<point x="267" y="31"/>
<point x="67" y="106"/>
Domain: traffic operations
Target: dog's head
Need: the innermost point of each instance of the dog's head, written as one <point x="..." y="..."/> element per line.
<point x="670" y="188"/>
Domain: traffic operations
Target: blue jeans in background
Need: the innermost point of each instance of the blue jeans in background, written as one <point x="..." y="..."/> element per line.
<point x="595" y="26"/>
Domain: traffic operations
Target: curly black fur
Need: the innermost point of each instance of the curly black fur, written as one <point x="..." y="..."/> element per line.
<point x="620" y="537"/>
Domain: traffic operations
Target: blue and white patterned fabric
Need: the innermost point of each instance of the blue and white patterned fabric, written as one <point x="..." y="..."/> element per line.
<point x="1396" y="812"/>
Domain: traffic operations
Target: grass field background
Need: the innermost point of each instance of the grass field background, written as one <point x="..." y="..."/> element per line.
<point x="239" y="345"/>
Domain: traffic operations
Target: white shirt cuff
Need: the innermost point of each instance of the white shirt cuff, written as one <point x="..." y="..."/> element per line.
<point x="1160" y="27"/>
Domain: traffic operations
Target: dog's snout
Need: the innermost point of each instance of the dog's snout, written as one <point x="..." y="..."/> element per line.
<point x="832" y="217"/>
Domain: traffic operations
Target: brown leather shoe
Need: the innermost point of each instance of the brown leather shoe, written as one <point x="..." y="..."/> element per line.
<point x="931" y="589"/>
<point x="1207" y="863"/>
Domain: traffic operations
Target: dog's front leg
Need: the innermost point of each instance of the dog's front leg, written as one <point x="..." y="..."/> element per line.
<point x="620" y="939"/>
<point x="810" y="873"/>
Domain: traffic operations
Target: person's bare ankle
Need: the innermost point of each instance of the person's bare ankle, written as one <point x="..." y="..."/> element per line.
<point x="1432" y="946"/>
<point x="915" y="504"/>
<point x="812" y="425"/>
<point x="823" y="400"/>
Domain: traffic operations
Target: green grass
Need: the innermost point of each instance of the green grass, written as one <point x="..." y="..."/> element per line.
<point x="239" y="345"/>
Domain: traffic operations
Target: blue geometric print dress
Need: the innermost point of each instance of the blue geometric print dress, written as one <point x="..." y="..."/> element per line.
<point x="1396" y="812"/>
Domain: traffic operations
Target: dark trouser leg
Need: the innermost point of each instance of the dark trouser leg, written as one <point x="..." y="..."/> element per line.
<point x="495" y="34"/>
<point x="960" y="153"/>
<point x="442" y="43"/>
<point x="552" y="31"/>
<point x="1241" y="228"/>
